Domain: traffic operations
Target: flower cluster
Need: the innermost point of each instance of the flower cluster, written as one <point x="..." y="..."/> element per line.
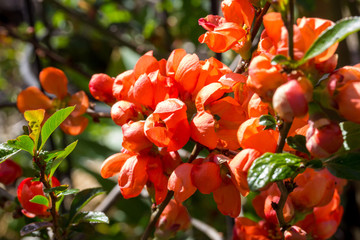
<point x="162" y="105"/>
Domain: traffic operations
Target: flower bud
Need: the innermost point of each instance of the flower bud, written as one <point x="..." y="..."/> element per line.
<point x="123" y="111"/>
<point x="174" y="218"/>
<point x="295" y="233"/>
<point x="101" y="86"/>
<point x="9" y="172"/>
<point x="323" y="138"/>
<point x="289" y="101"/>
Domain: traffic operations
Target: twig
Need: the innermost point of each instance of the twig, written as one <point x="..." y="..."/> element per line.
<point x="209" y="231"/>
<point x="95" y="25"/>
<point x="110" y="199"/>
<point x="51" y="54"/>
<point x="6" y="195"/>
<point x="290" y="28"/>
<point x="156" y="214"/>
<point x="7" y="105"/>
<point x="259" y="19"/>
<point x="97" y="115"/>
<point x="242" y="64"/>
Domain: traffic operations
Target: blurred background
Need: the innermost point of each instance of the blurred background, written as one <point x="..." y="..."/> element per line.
<point x="83" y="37"/>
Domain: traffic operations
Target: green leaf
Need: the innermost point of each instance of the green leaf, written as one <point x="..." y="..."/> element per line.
<point x="91" y="217"/>
<point x="298" y="142"/>
<point x="69" y="192"/>
<point x="56" y="189"/>
<point x="82" y="198"/>
<point x="351" y="135"/>
<point x="280" y="59"/>
<point x="7" y="151"/>
<point x="53" y="122"/>
<point x="268" y="121"/>
<point x="62" y="155"/>
<point x="345" y="165"/>
<point x="35" y="226"/>
<point x="40" y="199"/>
<point x="333" y="34"/>
<point x="35" y="118"/>
<point x="23" y="142"/>
<point x="272" y="167"/>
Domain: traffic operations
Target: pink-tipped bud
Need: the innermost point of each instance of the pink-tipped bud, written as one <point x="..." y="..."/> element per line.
<point x="9" y="172"/>
<point x="123" y="111"/>
<point x="295" y="233"/>
<point x="323" y="138"/>
<point x="101" y="86"/>
<point x="289" y="101"/>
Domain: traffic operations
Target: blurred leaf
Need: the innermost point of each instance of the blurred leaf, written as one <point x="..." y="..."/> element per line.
<point x="351" y="135"/>
<point x="53" y="122"/>
<point x="7" y="151"/>
<point x="298" y="142"/>
<point x="23" y="142"/>
<point x="272" y="167"/>
<point x="268" y="121"/>
<point x="280" y="59"/>
<point x="62" y="155"/>
<point x="91" y="217"/>
<point x="81" y="199"/>
<point x="333" y="34"/>
<point x="345" y="165"/>
<point x="40" y="199"/>
<point x="35" y="226"/>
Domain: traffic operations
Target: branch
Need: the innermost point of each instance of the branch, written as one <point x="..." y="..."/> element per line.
<point x="209" y="231"/>
<point x="96" y="115"/>
<point x="51" y="54"/>
<point x="95" y="25"/>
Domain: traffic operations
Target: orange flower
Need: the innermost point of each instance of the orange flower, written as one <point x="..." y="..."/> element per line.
<point x="228" y="199"/>
<point x="133" y="176"/>
<point x="175" y="217"/>
<point x="252" y="135"/>
<point x="239" y="167"/>
<point x="168" y="126"/>
<point x="314" y="188"/>
<point x="238" y="11"/>
<point x="221" y="35"/>
<point x="265" y="78"/>
<point x="180" y="182"/>
<point x="246" y="229"/>
<point x="134" y="138"/>
<point x="101" y="86"/>
<point x="206" y="177"/>
<point x="54" y="81"/>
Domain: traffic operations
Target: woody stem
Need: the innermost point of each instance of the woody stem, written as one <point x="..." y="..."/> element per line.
<point x="290" y="28"/>
<point x="156" y="214"/>
<point x="279" y="207"/>
<point x="54" y="214"/>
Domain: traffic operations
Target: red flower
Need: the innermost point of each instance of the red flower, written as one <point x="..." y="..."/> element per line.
<point x="29" y="189"/>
